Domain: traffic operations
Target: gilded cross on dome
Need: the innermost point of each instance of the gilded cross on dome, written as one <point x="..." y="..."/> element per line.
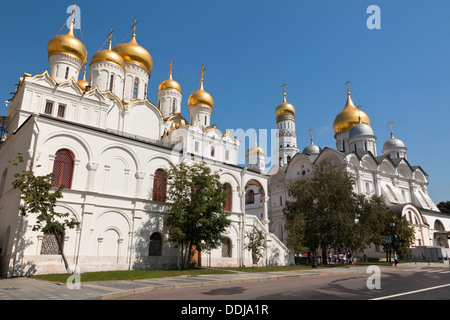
<point x="136" y="21"/>
<point x="201" y="72"/>
<point x="390" y="125"/>
<point x="348" y="86"/>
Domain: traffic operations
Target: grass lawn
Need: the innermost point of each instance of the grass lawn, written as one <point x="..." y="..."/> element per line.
<point x="148" y="274"/>
<point x="130" y="274"/>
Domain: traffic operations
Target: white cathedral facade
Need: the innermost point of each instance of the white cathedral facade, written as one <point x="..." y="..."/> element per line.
<point x="404" y="186"/>
<point x="109" y="146"/>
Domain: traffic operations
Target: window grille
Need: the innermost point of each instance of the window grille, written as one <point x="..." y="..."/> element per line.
<point x="135" y="88"/>
<point x="50" y="244"/>
<point x="155" y="245"/>
<point x="226" y="249"/>
<point x="61" y="110"/>
<point x="48" y="107"/>
<point x="160" y="186"/>
<point x="63" y="169"/>
<point x="229" y="199"/>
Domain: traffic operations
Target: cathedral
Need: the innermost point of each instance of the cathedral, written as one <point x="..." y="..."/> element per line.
<point x="404" y="186"/>
<point x="109" y="146"/>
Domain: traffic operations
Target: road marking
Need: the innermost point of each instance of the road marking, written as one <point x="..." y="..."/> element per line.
<point x="412" y="292"/>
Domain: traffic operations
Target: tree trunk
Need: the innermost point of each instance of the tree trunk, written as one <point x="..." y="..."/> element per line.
<point x="66" y="263"/>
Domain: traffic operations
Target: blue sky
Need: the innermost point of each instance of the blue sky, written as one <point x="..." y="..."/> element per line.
<point x="399" y="73"/>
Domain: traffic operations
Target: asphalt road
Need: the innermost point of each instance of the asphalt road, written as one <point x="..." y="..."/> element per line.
<point x="428" y="284"/>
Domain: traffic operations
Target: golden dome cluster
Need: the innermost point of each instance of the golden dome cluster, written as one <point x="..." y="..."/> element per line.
<point x="349" y="117"/>
<point x="67" y="44"/>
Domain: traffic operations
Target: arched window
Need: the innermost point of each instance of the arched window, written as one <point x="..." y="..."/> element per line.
<point x="155" y="245"/>
<point x="63" y="169"/>
<point x="250" y="197"/>
<point x="160" y="186"/>
<point x="50" y="243"/>
<point x="226" y="248"/>
<point x="135" y="88"/>
<point x="229" y="199"/>
<point x="111" y="82"/>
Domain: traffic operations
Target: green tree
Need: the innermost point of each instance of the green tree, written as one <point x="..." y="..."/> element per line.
<point x="40" y="197"/>
<point x="444" y="206"/>
<point x="196" y="216"/>
<point x="326" y="213"/>
<point x="400" y="233"/>
<point x="256" y="243"/>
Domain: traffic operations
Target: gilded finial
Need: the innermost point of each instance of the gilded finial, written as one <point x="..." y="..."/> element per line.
<point x="390" y="125"/>
<point x="170" y="68"/>
<point x="110" y="38"/>
<point x="202" y="71"/>
<point x="310" y="134"/>
<point x="136" y="21"/>
<point x="348" y="87"/>
<point x="284" y="91"/>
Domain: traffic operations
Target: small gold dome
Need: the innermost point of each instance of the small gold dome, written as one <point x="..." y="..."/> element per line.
<point x="284" y="107"/>
<point x="134" y="53"/>
<point x="349" y="116"/>
<point x="108" y="55"/>
<point x="255" y="150"/>
<point x="169" y="84"/>
<point x="67" y="44"/>
<point x="83" y="83"/>
<point x="201" y="97"/>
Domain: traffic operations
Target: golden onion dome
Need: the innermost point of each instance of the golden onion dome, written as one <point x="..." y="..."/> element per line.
<point x="349" y="117"/>
<point x="201" y="97"/>
<point x="169" y="84"/>
<point x="108" y="55"/>
<point x="255" y="150"/>
<point x="67" y="44"/>
<point x="134" y="53"/>
<point x="83" y="83"/>
<point x="285" y="107"/>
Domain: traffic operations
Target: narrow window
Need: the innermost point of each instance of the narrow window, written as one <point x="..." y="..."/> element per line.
<point x="61" y="110"/>
<point x="226" y="248"/>
<point x="66" y="76"/>
<point x="111" y="82"/>
<point x="135" y="88"/>
<point x="160" y="186"/>
<point x="281" y="200"/>
<point x="229" y="199"/>
<point x="173" y="105"/>
<point x="155" y="245"/>
<point x="63" y="169"/>
<point x="196" y="146"/>
<point x="213" y="151"/>
<point x="227" y="155"/>
<point x="48" y="107"/>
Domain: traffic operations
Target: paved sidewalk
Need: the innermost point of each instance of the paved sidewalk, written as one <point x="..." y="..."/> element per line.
<point x="22" y="288"/>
